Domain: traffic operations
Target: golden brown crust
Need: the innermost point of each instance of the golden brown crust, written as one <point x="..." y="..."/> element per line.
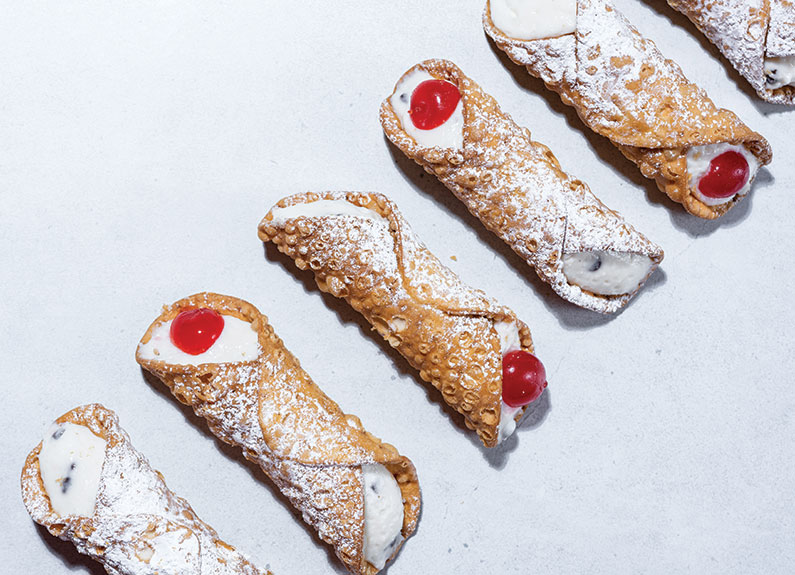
<point x="623" y="88"/>
<point x="444" y="329"/>
<point x="516" y="187"/>
<point x="302" y="440"/>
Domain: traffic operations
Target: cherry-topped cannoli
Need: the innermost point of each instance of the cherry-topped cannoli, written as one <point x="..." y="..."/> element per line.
<point x="623" y="88"/>
<point x="757" y="37"/>
<point x="477" y="353"/>
<point x="588" y="253"/>
<point x="218" y="354"/>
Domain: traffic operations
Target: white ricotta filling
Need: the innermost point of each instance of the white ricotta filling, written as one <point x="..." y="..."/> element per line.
<point x="606" y="273"/>
<point x="383" y="514"/>
<point x="238" y="342"/>
<point x="698" y="160"/>
<point x="448" y="135"/>
<point x="508" y="332"/>
<point x="534" y="19"/>
<point x="70" y="464"/>
<point x="322" y="208"/>
<point x="779" y="72"/>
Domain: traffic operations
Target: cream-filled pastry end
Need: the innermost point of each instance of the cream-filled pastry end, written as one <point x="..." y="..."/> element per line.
<point x="606" y="272"/>
<point x="70" y="464"/>
<point x="383" y="514"/>
<point x="534" y="19"/>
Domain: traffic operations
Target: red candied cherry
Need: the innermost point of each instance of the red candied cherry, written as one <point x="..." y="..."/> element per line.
<point x="432" y="103"/>
<point x="726" y="176"/>
<point x="194" y="331"/>
<point x="523" y="378"/>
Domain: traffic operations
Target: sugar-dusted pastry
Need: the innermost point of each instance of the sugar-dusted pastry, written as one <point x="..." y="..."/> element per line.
<point x="219" y="355"/>
<point x="757" y="37"/>
<point x="87" y="484"/>
<point x="477" y="353"/>
<point x="623" y="88"/>
<point x="588" y="253"/>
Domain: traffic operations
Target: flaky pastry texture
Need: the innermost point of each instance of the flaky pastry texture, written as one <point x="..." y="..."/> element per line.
<point x="623" y="88"/>
<point x="283" y="422"/>
<point x="139" y="526"/>
<point x="516" y="187"/>
<point x="746" y="31"/>
<point x="444" y="328"/>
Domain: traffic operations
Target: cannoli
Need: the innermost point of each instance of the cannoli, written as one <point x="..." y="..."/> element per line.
<point x="87" y="484"/>
<point x="219" y="355"/>
<point x="623" y="88"/>
<point x="757" y="37"/>
<point x="473" y="350"/>
<point x="588" y="253"/>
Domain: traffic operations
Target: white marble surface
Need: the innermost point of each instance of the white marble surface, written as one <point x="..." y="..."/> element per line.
<point x="140" y="143"/>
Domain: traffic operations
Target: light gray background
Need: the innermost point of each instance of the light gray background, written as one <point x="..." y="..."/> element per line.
<point x="140" y="144"/>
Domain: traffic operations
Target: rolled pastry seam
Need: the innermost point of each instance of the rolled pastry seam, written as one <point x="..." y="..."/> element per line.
<point x="87" y="484"/>
<point x="588" y="253"/>
<point x="756" y="36"/>
<point x="445" y="329"/>
<point x="253" y="394"/>
<point x="623" y="88"/>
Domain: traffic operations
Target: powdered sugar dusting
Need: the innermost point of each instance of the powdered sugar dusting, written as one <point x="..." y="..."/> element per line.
<point x="516" y="188"/>
<point x="746" y="31"/>
<point x="737" y="27"/>
<point x="441" y="326"/>
<point x="329" y="498"/>
<point x="781" y="35"/>
<point x="624" y="89"/>
<point x="300" y="438"/>
<point x="139" y="526"/>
